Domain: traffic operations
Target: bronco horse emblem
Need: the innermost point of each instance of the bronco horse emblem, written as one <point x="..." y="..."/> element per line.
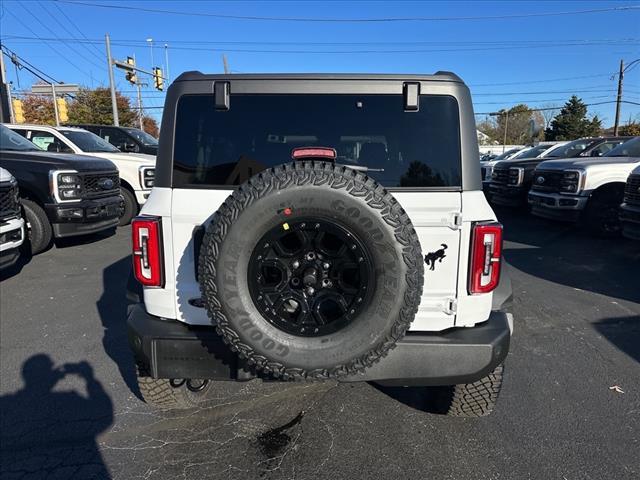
<point x="437" y="256"/>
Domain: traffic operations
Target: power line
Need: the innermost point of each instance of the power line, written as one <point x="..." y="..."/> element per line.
<point x="56" y="51"/>
<point x="64" y="27"/>
<point x="607" y="41"/>
<point x="27" y="68"/>
<point x="352" y="20"/>
<point x="99" y="52"/>
<point x="462" y="48"/>
<point x="71" y="47"/>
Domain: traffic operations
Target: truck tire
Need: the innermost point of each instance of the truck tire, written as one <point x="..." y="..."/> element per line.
<point x="168" y="394"/>
<point x="39" y="231"/>
<point x="311" y="270"/>
<point x="476" y="399"/>
<point x="602" y="214"/>
<point x="130" y="207"/>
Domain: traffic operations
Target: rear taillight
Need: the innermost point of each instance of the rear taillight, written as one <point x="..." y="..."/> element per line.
<point x="486" y="256"/>
<point x="147" y="251"/>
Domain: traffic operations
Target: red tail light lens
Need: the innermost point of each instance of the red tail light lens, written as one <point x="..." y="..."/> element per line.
<point x="147" y="251"/>
<point x="486" y="256"/>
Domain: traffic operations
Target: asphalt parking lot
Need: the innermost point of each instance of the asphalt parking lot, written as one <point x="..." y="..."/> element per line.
<point x="69" y="404"/>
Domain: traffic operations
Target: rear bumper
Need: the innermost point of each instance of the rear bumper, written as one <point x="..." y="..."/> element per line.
<point x="554" y="206"/>
<point x="630" y="220"/>
<point x="85" y="217"/>
<point x="172" y="349"/>
<point x="142" y="196"/>
<point x="508" y="196"/>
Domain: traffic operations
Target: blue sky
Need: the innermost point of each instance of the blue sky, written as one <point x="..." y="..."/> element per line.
<point x="504" y="60"/>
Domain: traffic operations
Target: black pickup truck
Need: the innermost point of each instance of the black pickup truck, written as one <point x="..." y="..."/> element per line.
<point x="127" y="139"/>
<point x="61" y="195"/>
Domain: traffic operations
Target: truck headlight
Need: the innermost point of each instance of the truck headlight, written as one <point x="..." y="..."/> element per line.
<point x="572" y="181"/>
<point x="516" y="176"/>
<point x="147" y="177"/>
<point x="66" y="185"/>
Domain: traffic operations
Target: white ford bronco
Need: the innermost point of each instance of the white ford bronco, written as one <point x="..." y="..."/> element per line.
<point x="585" y="190"/>
<point x="319" y="227"/>
<point x="136" y="169"/>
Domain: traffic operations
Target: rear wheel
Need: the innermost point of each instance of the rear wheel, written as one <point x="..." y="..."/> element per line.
<point x="171" y="393"/>
<point x="39" y="231"/>
<point x="477" y="399"/>
<point x="130" y="207"/>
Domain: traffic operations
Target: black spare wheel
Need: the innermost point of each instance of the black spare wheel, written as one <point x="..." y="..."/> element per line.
<point x="311" y="269"/>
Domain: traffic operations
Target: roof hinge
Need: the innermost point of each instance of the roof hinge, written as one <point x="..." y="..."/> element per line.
<point x="221" y="92"/>
<point x="411" y="96"/>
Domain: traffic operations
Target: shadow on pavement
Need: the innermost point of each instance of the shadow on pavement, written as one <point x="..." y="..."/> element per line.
<point x="84" y="239"/>
<point x="623" y="332"/>
<point x="112" y="308"/>
<point x="424" y="399"/>
<point x="52" y="434"/>
<point x="566" y="255"/>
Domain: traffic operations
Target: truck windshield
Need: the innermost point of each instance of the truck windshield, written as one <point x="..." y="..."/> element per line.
<point x="630" y="148"/>
<point x="571" y="149"/>
<point x="88" y="142"/>
<point x="142" y="137"/>
<point x="532" y="152"/>
<point x="507" y="154"/>
<point x="372" y="133"/>
<point x="12" y="141"/>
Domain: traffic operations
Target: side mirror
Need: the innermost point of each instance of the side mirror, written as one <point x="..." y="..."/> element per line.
<point x="129" y="147"/>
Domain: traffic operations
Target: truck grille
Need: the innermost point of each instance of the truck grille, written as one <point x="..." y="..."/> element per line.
<point x="500" y="175"/>
<point x="547" y="180"/>
<point x="9" y="203"/>
<point x="632" y="190"/>
<point x="99" y="185"/>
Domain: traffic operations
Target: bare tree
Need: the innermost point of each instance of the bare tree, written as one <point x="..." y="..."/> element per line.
<point x="548" y="115"/>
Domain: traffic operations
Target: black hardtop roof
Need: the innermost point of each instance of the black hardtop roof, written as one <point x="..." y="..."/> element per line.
<point x="440" y="76"/>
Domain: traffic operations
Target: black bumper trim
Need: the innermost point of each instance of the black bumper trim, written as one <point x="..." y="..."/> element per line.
<point x="460" y="355"/>
<point x="63" y="230"/>
<point x="9" y="257"/>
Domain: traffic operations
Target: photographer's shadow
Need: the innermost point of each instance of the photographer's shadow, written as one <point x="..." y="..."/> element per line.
<point x="52" y="434"/>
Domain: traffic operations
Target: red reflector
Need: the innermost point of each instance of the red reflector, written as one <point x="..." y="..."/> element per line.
<point x="486" y="256"/>
<point x="147" y="251"/>
<point x="314" y="152"/>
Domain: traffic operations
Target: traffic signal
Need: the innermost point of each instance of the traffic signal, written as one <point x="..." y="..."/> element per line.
<point x="63" y="113"/>
<point x="18" y="111"/>
<point x="131" y="75"/>
<point x="158" y="81"/>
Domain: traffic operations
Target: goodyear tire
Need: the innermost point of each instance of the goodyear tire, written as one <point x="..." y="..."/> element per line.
<point x="297" y="219"/>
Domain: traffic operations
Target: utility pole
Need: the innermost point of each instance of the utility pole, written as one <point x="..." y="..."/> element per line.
<point x="139" y="105"/>
<point x="112" y="83"/>
<point x="506" y="125"/>
<point x="225" y="63"/>
<point x="6" y="106"/>
<point x="55" y="104"/>
<point x="618" y="99"/>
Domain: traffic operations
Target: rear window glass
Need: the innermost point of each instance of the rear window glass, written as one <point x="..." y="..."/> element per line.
<point x="369" y="132"/>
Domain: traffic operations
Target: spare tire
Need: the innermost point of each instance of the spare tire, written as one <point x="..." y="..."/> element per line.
<point x="311" y="269"/>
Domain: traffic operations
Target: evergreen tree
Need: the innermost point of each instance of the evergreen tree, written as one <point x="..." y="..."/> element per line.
<point x="572" y="122"/>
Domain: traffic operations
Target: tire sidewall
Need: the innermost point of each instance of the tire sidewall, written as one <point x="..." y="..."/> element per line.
<point x="367" y="335"/>
<point x="39" y="236"/>
<point x="130" y="207"/>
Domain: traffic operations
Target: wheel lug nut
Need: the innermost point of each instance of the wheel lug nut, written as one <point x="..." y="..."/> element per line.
<point x="325" y="266"/>
<point x="353" y="247"/>
<point x="359" y="299"/>
<point x="317" y="225"/>
<point x="310" y="291"/>
<point x="295" y="264"/>
<point x="360" y="259"/>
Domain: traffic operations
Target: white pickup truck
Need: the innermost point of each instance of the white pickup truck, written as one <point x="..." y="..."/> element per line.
<point x="11" y="221"/>
<point x="137" y="170"/>
<point x="586" y="190"/>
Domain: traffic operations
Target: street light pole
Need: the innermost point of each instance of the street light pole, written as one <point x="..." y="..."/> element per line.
<point x="150" y="40"/>
<point x="166" y="61"/>
<point x="112" y="82"/>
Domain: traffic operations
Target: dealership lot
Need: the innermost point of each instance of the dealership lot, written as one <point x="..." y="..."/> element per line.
<point x="577" y="305"/>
